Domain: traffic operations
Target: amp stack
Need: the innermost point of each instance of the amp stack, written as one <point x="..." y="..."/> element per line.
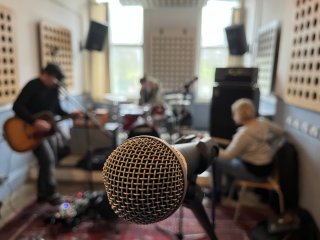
<point x="230" y="85"/>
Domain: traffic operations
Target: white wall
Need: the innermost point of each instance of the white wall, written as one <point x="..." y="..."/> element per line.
<point x="28" y="14"/>
<point x="68" y="13"/>
<point x="309" y="161"/>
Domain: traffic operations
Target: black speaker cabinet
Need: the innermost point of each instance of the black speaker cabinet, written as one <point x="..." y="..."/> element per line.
<point x="96" y="36"/>
<point x="221" y="122"/>
<point x="236" y="37"/>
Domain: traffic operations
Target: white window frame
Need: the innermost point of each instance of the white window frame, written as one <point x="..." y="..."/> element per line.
<point x="207" y="97"/>
<point x="134" y="93"/>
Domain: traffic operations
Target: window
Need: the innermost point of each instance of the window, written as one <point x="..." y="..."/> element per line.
<point x="126" y="48"/>
<point x="216" y="15"/>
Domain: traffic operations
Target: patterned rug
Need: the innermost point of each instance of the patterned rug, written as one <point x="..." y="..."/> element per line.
<point x="32" y="223"/>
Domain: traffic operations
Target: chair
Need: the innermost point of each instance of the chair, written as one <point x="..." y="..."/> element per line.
<point x="270" y="183"/>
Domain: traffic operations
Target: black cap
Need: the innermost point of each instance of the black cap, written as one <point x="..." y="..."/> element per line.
<point x="54" y="70"/>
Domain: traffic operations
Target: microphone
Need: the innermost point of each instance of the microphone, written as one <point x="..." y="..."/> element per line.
<point x="188" y="85"/>
<point x="146" y="179"/>
<point x="58" y="83"/>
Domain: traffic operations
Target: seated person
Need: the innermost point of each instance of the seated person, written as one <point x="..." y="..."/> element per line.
<point x="149" y="92"/>
<point x="249" y="154"/>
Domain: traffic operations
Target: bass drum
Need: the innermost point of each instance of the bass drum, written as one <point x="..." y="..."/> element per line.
<point x="142" y="127"/>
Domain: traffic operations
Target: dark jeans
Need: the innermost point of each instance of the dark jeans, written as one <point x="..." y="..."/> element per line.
<point x="46" y="154"/>
<point x="233" y="169"/>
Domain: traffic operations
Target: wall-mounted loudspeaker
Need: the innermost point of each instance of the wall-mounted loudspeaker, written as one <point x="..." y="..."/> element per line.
<point x="236" y="37"/>
<point x="96" y="36"/>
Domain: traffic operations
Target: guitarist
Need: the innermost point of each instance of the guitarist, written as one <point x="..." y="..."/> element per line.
<point x="38" y="95"/>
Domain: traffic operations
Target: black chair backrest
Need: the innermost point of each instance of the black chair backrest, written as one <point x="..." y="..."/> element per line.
<point x="286" y="165"/>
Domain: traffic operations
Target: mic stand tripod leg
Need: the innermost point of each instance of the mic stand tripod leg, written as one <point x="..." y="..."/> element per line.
<point x="169" y="233"/>
<point x="179" y="235"/>
<point x="193" y="200"/>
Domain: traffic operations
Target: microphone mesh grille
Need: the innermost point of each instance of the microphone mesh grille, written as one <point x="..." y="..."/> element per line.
<point x="144" y="180"/>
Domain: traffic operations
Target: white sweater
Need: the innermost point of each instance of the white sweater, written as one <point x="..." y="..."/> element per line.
<point x="250" y="143"/>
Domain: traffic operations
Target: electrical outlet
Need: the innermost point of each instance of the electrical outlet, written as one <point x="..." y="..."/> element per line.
<point x="313" y="131"/>
<point x="304" y="127"/>
<point x="296" y="124"/>
<point x="289" y="120"/>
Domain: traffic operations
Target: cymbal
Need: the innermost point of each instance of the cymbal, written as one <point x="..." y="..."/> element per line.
<point x="180" y="103"/>
<point x="173" y="96"/>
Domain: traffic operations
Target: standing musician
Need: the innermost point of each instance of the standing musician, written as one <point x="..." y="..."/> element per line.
<point x="38" y="95"/>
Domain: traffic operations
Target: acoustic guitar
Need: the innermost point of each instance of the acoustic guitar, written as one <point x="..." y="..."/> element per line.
<point x="22" y="136"/>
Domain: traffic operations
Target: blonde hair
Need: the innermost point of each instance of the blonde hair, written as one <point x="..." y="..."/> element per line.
<point x="243" y="110"/>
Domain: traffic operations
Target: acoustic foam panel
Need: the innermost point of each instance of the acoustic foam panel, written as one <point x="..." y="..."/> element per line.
<point x="303" y="87"/>
<point x="173" y="57"/>
<point x="9" y="85"/>
<point x="55" y="47"/>
<point x="267" y="55"/>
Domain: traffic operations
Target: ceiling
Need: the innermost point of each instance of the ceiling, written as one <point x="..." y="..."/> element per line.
<point x="165" y="3"/>
<point x="72" y="4"/>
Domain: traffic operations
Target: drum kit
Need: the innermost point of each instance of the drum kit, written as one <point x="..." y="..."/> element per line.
<point x="171" y="116"/>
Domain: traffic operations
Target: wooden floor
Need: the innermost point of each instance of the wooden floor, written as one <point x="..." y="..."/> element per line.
<point x="29" y="223"/>
<point x="24" y="196"/>
<point x="70" y="181"/>
<point x="17" y="201"/>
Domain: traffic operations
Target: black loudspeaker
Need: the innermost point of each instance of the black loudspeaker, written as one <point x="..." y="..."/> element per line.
<point x="237" y="41"/>
<point x="96" y="36"/>
<point x="221" y="122"/>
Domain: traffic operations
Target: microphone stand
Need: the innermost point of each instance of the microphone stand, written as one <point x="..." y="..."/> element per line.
<point x="193" y="201"/>
<point x="188" y="85"/>
<point x="89" y="151"/>
<point x="183" y="112"/>
<point x="214" y="190"/>
<point x="88" y="116"/>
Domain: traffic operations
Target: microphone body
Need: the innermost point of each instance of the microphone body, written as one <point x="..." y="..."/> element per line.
<point x="146" y="179"/>
<point x="58" y="83"/>
<point x="188" y="85"/>
<point x="198" y="155"/>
